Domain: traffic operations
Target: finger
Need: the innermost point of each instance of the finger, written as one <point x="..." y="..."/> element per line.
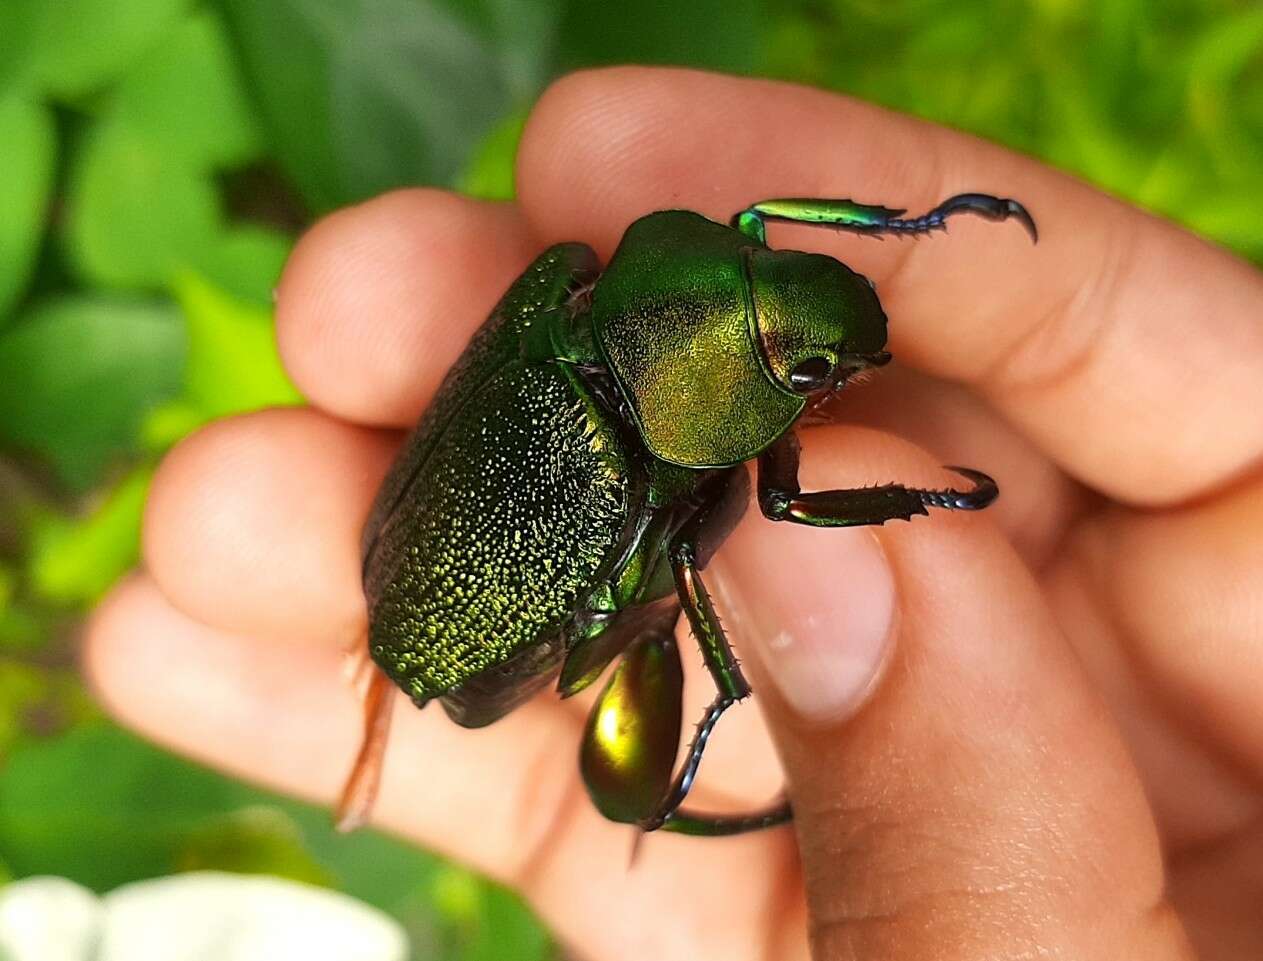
<point x="378" y="300"/>
<point x="1165" y="611"/>
<point x="505" y="799"/>
<point x="947" y="819"/>
<point x="1037" y="500"/>
<point x="253" y="524"/>
<point x="1128" y="349"/>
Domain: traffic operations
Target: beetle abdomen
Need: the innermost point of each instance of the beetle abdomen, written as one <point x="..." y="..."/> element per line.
<point x="501" y="528"/>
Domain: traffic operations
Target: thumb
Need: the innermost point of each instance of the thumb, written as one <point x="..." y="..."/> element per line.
<point x="959" y="792"/>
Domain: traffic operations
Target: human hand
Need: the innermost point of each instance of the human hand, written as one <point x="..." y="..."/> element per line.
<point x="1061" y="757"/>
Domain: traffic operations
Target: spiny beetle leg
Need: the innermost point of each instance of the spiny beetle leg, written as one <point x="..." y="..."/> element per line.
<point x="719" y="659"/>
<point x="780" y="498"/>
<point x="873" y="219"/>
<point x="695" y="599"/>
<point x="702" y="824"/>
<point x="732" y="687"/>
<point x="683" y="782"/>
<point x="360" y="790"/>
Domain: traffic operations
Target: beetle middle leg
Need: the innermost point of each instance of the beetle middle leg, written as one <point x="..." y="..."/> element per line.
<point x="781" y="499"/>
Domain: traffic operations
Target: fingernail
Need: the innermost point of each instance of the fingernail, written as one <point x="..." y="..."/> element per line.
<point x="816" y="606"/>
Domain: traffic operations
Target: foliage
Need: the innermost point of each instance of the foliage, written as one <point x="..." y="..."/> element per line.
<point x="160" y="157"/>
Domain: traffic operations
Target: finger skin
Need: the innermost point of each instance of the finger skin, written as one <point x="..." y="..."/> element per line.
<point x="378" y="300"/>
<point x="505" y="799"/>
<point x="253" y="524"/>
<point x="1128" y="349"/>
<point x="1038" y="501"/>
<point x="982" y="804"/>
<point x="1166" y="611"/>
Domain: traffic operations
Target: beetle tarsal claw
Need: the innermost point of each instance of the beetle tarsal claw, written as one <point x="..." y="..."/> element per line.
<point x="1022" y="215"/>
<point x="980" y="495"/>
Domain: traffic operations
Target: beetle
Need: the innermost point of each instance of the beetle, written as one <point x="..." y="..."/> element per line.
<point x="556" y="505"/>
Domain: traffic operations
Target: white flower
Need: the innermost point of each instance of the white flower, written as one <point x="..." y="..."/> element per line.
<point x="203" y="916"/>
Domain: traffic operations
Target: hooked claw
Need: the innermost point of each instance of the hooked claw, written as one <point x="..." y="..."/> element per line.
<point x="984" y="491"/>
<point x="993" y="208"/>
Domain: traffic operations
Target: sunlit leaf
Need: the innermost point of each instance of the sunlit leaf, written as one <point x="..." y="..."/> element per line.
<point x="490" y="171"/>
<point x="29" y="146"/>
<point x="75" y="560"/>
<point x="246" y="262"/>
<point x="232" y="363"/>
<point x="78" y="375"/>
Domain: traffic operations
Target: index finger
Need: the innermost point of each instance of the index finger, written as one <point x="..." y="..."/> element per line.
<point x="1130" y="350"/>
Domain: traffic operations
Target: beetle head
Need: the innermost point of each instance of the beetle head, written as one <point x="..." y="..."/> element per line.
<point x="718" y="343"/>
<point x="815" y="320"/>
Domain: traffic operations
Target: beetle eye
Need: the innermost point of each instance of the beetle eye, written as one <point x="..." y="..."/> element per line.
<point x="811" y="374"/>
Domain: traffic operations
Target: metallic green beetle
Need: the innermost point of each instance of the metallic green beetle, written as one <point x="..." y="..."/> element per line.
<point x="583" y="460"/>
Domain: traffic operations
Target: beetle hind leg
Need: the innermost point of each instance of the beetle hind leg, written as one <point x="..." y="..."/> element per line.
<point x="670" y="816"/>
<point x="362" y="783"/>
<point x="731" y="687"/>
<point x="702" y="824"/>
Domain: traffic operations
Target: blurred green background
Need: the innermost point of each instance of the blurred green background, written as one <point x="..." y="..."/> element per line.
<point x="157" y="160"/>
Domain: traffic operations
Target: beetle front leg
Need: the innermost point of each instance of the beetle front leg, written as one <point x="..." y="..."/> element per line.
<point x="874" y="219"/>
<point x="781" y="499"/>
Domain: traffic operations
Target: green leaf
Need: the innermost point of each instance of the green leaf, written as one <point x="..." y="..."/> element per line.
<point x="524" y="36"/>
<point x="148" y="813"/>
<point x="138" y="214"/>
<point x="22" y="686"/>
<point x="233" y="364"/>
<point x="75" y="561"/>
<point x="251" y="840"/>
<point x="185" y="97"/>
<point x="490" y="172"/>
<point x="130" y="823"/>
<point x="78" y="375"/>
<point x="718" y="34"/>
<point x="70" y="48"/>
<point x="246" y="262"/>
<point x="361" y="96"/>
<point x="486" y="922"/>
<point x="30" y="146"/>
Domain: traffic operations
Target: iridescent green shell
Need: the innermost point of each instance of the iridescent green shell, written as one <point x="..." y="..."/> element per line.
<point x="510" y="499"/>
